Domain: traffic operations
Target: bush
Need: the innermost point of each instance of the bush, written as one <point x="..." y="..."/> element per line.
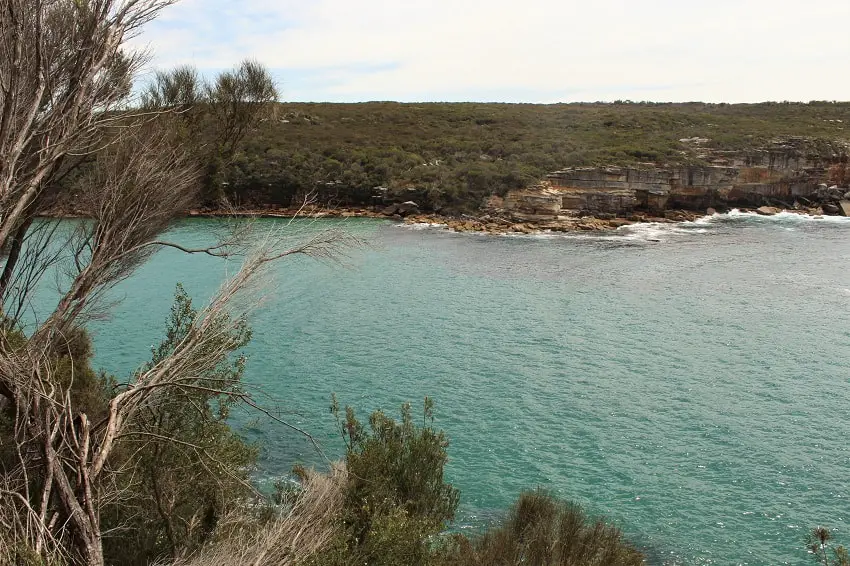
<point x="186" y="468"/>
<point x="396" y="497"/>
<point x="540" y="530"/>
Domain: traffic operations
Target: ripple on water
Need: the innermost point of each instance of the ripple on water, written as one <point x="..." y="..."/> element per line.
<point x="693" y="389"/>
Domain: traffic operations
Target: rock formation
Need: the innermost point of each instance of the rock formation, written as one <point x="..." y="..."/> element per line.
<point x="787" y="174"/>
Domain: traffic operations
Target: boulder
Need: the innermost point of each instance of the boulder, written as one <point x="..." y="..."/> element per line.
<point x="830" y="208"/>
<point x="406" y="208"/>
<point x="844" y="207"/>
<point x="402" y="209"/>
<point x="768" y="210"/>
<point x="710" y="211"/>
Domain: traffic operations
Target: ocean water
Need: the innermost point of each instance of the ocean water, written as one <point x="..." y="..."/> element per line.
<point x="689" y="381"/>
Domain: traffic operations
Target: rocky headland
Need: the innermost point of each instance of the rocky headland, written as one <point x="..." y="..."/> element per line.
<point x="786" y="175"/>
<point x="792" y="174"/>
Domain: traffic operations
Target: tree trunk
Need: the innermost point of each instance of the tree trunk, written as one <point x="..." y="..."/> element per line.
<point x="14" y="253"/>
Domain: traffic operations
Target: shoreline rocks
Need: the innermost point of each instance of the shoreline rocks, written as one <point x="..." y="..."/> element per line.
<point x="496" y="223"/>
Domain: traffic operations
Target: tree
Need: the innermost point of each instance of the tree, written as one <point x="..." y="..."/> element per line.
<point x="64" y="90"/>
<point x="184" y="468"/>
<point x="213" y="118"/>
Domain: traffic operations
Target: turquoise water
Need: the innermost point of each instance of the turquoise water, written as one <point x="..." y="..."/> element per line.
<point x="688" y="381"/>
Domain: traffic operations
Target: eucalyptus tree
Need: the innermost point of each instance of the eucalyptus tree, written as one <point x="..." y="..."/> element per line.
<point x="65" y="93"/>
<point x="213" y="116"/>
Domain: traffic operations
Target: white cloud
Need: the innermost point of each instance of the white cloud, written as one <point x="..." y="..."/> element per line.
<point x="534" y="50"/>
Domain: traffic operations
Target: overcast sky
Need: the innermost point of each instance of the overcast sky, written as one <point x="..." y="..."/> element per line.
<point x="520" y="50"/>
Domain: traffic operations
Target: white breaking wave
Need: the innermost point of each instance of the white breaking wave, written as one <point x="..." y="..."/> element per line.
<point x="658" y="231"/>
<point x="421" y="225"/>
<point x="783" y="216"/>
<point x="663" y="231"/>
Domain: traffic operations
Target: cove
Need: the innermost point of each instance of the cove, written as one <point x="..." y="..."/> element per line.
<point x="688" y="381"/>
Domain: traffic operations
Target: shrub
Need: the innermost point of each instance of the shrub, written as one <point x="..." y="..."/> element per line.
<point x="819" y="546"/>
<point x="186" y="468"/>
<point x="540" y="530"/>
<point x="396" y="497"/>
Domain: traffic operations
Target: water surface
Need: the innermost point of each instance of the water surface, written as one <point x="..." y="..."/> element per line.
<point x="688" y="381"/>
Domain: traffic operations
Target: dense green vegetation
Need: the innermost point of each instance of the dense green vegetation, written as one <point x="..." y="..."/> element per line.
<point x="540" y="530"/>
<point x="180" y="473"/>
<point x="454" y="154"/>
<point x="395" y="497"/>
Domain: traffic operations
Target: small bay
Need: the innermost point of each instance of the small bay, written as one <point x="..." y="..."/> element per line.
<point x="688" y="381"/>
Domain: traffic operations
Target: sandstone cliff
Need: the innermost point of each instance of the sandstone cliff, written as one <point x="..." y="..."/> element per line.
<point x="796" y="172"/>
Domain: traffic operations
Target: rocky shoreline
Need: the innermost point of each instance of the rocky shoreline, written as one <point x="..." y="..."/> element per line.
<point x="495" y="223"/>
<point x="486" y="223"/>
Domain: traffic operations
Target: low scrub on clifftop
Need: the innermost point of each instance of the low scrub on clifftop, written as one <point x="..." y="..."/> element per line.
<point x="450" y="156"/>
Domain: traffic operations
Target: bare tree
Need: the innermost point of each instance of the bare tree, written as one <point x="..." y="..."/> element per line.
<point x="64" y="85"/>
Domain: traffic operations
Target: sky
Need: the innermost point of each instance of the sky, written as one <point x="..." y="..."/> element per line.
<point x="519" y="50"/>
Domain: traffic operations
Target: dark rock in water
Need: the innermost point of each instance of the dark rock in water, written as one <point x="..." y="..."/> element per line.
<point x="768" y="210"/>
<point x="406" y="208"/>
<point x="844" y="207"/>
<point x="830" y="208"/>
<point x="390" y="210"/>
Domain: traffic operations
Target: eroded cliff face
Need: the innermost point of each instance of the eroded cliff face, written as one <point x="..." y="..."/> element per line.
<point x="787" y="173"/>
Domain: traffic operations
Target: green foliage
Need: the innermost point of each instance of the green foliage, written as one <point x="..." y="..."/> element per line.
<point x="540" y="530"/>
<point x="211" y="119"/>
<point x="180" y="89"/>
<point x="20" y="554"/>
<point x="818" y="544"/>
<point x="186" y="468"/>
<point x="89" y="391"/>
<point x="396" y="496"/>
<point x="180" y="474"/>
<point x="452" y="155"/>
